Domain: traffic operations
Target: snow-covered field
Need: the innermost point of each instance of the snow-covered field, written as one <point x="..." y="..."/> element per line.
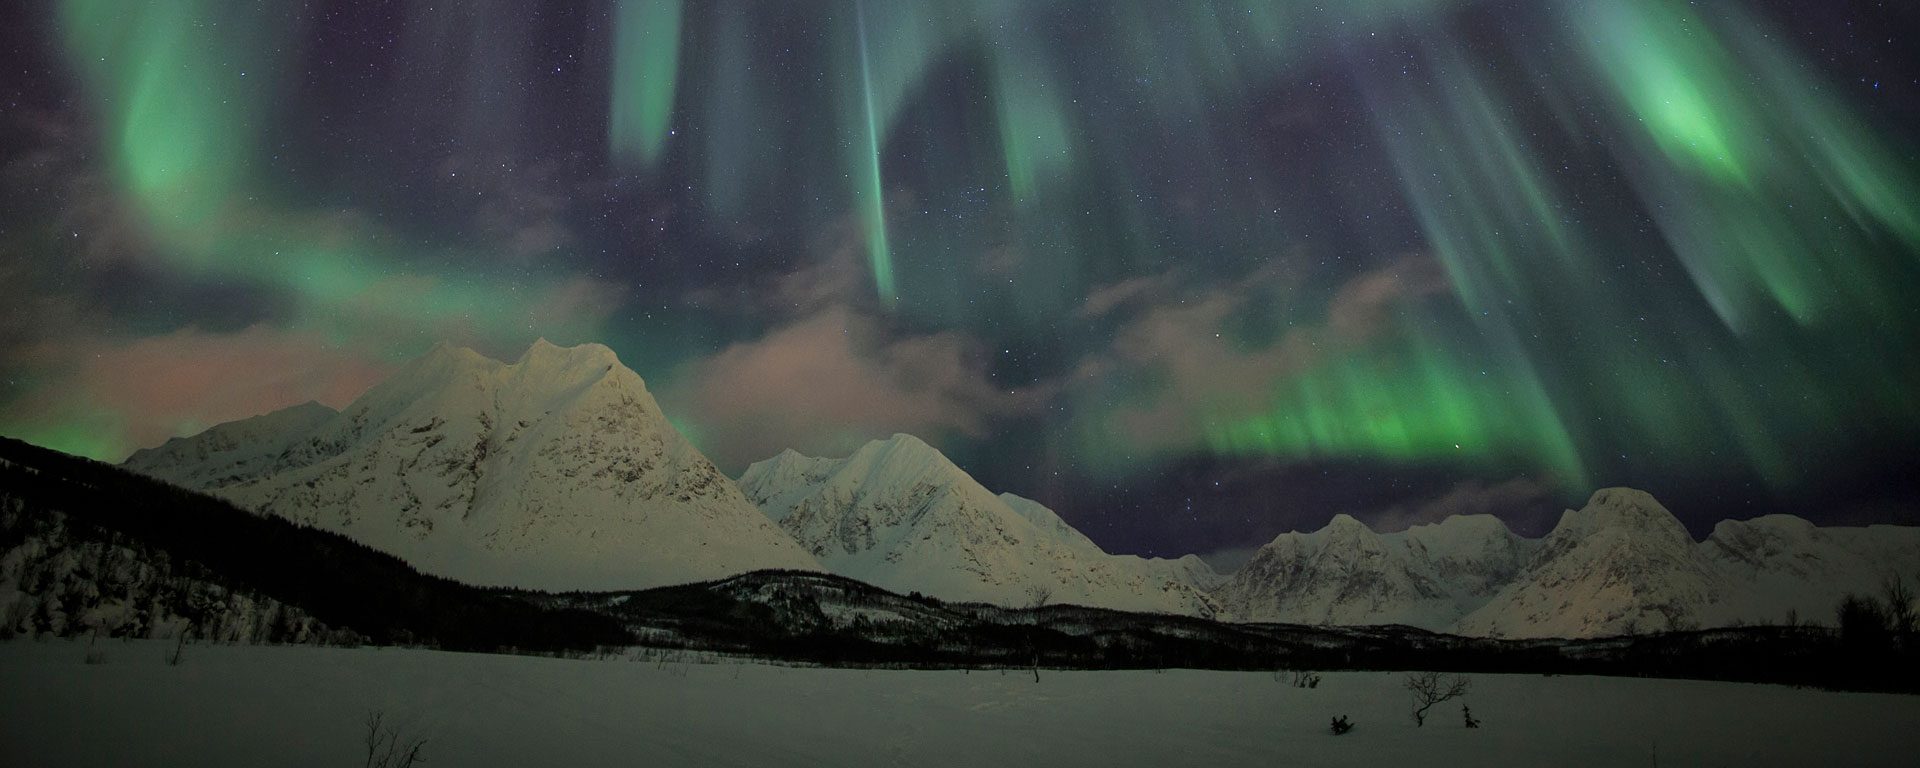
<point x="255" y="706"/>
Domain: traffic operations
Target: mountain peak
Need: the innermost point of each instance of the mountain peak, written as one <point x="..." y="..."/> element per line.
<point x="448" y="351"/>
<point x="1624" y="498"/>
<point x="1480" y="526"/>
<point x="899" y="514"/>
<point x="1777" y="523"/>
<point x="557" y="471"/>
<point x="1626" y="509"/>
<point x="902" y="452"/>
<point x="310" y="408"/>
<point x="542" y="353"/>
<point x="901" y="441"/>
<point x="1345" y="525"/>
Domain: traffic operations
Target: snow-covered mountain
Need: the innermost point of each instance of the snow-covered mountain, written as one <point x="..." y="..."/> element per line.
<point x="228" y="452"/>
<point x="899" y="515"/>
<point x="1782" y="564"/>
<point x="557" y="471"/>
<point x="1621" y="564"/>
<point x="1345" y="573"/>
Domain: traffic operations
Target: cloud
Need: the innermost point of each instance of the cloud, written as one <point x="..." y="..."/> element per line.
<point x="833" y="379"/>
<point x="107" y="397"/>
<point x="837" y="279"/>
<point x="1104" y="299"/>
<point x="1182" y="343"/>
<point x="1528" y="505"/>
<point x="519" y="208"/>
<point x="1359" y="310"/>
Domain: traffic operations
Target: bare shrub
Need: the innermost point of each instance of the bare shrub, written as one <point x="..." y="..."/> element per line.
<point x="178" y="654"/>
<point x="1037" y="597"/>
<point x="1340" y="726"/>
<point x="388" y="746"/>
<point x="95" y="654"/>
<point x="1898" y="597"/>
<point x="1430" y="688"/>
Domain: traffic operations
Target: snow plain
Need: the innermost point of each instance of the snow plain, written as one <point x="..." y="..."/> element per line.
<point x="300" y="706"/>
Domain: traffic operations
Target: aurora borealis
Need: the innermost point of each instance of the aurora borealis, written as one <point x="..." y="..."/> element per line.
<point x="1192" y="273"/>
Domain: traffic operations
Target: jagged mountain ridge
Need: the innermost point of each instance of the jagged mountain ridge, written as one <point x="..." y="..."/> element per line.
<point x="1620" y="565"/>
<point x="556" y="471"/>
<point x="1347" y="574"/>
<point x="897" y="514"/>
<point x="229" y="452"/>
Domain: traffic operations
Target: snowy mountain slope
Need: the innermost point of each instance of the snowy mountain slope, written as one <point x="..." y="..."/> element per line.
<point x="56" y="580"/>
<point x="1189" y="569"/>
<point x="228" y="452"/>
<point x="1473" y="555"/>
<point x="1782" y="564"/>
<point x="1347" y="574"/>
<point x="899" y="515"/>
<point x="1049" y="522"/>
<point x="778" y="484"/>
<point x="557" y="471"/>
<point x="1619" y="565"/>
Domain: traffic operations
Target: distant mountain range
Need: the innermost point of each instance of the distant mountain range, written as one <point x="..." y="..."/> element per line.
<point x="559" y="472"/>
<point x="1620" y="565"/>
<point x="90" y="550"/>
<point x="899" y="515"/>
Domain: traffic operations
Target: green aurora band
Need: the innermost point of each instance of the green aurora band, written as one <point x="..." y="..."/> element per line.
<point x="1793" y="219"/>
<point x="186" y="88"/>
<point x="871" y="189"/>
<point x="646" y="73"/>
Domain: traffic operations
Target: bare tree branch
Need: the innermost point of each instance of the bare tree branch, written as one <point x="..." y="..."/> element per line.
<point x="388" y="747"/>
<point x="1430" y="688"/>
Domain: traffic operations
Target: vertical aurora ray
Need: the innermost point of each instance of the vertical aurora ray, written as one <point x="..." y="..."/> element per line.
<point x="646" y="75"/>
<point x="1666" y="227"/>
<point x="1674" y="75"/>
<point x="1481" y="197"/>
<point x="1035" y="134"/>
<point x="183" y="84"/>
<point x="1744" y="160"/>
<point x="870" y="188"/>
<point x="185" y="90"/>
<point x="730" y="131"/>
<point x="1790" y="217"/>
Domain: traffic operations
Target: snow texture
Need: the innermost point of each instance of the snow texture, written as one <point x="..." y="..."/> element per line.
<point x="1621" y="565"/>
<point x="560" y="472"/>
<point x="54" y="583"/>
<point x="557" y="471"/>
<point x="899" y="515"/>
<point x="302" y="706"/>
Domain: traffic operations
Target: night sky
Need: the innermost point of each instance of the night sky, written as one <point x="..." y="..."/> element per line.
<point x="1191" y="273"/>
